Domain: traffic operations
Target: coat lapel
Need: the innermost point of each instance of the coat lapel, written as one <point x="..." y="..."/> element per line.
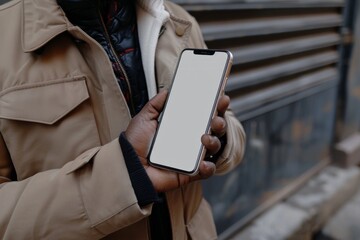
<point x="171" y="43"/>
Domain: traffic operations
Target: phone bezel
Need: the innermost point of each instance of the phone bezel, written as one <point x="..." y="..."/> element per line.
<point x="221" y="88"/>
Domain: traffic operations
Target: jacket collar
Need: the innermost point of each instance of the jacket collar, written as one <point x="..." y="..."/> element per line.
<point x="44" y="19"/>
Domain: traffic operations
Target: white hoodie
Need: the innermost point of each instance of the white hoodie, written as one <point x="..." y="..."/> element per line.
<point x="151" y="15"/>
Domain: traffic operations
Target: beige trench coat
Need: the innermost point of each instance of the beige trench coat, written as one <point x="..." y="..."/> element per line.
<point x="62" y="173"/>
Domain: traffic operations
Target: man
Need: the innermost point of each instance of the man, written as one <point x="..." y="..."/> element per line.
<point x="76" y="123"/>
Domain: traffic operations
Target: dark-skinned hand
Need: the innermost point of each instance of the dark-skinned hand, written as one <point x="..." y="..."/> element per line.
<point x="141" y="131"/>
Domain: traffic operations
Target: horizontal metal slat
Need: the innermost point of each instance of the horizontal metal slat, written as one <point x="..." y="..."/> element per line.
<point x="264" y="74"/>
<point x="256" y="52"/>
<point x="242" y="28"/>
<point x="268" y="99"/>
<point x="203" y="5"/>
<point x="257" y="1"/>
<point x="240" y="6"/>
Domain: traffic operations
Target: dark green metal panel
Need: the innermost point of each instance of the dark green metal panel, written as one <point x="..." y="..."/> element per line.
<point x="349" y="112"/>
<point x="283" y="87"/>
<point x="206" y="5"/>
<point x="4" y="1"/>
<point x="281" y="145"/>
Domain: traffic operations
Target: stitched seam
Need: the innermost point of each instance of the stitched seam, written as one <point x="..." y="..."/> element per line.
<point x="112" y="215"/>
<point x="85" y="210"/>
<point x="37" y="85"/>
<point x="55" y="119"/>
<point x="173" y="17"/>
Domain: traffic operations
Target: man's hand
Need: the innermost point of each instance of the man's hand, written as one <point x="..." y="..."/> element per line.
<point x="218" y="128"/>
<point x="141" y="131"/>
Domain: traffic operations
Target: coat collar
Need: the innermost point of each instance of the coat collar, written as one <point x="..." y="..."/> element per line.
<point x="44" y="19"/>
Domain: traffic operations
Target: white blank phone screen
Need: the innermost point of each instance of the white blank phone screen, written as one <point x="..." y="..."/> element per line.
<point x="188" y="110"/>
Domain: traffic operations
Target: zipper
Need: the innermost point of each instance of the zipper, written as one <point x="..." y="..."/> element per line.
<point x="107" y="36"/>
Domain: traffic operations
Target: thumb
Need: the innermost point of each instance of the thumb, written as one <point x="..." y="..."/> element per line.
<point x="155" y="105"/>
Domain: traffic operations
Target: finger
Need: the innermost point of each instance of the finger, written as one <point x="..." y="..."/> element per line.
<point x="165" y="180"/>
<point x="211" y="143"/>
<point x="218" y="126"/>
<point x="206" y="170"/>
<point x="223" y="104"/>
<point x="156" y="105"/>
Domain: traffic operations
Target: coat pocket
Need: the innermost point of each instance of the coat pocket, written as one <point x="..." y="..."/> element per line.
<point x="43" y="103"/>
<point x="201" y="225"/>
<point x="47" y="125"/>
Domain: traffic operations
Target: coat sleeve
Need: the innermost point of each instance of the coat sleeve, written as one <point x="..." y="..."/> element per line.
<point x="235" y="146"/>
<point x="88" y="198"/>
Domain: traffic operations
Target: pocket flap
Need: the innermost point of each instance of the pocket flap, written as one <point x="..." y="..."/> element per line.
<point x="43" y="103"/>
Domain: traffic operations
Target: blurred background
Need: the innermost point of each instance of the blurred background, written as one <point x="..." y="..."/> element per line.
<point x="295" y="86"/>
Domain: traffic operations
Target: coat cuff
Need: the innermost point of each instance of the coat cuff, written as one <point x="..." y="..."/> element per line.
<point x="140" y="181"/>
<point x="235" y="145"/>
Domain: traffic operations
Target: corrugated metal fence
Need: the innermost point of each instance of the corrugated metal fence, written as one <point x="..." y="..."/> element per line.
<point x="283" y="86"/>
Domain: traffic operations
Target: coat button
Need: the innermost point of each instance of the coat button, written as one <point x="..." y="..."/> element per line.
<point x="180" y="31"/>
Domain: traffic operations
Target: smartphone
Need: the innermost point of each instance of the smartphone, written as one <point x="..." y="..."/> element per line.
<point x="198" y="83"/>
